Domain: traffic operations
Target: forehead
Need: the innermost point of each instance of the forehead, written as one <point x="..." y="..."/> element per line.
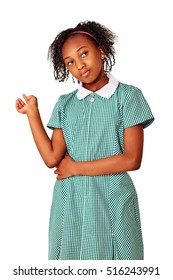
<point x="75" y="42"/>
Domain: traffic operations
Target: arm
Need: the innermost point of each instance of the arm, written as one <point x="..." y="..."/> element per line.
<point x="51" y="150"/>
<point x="129" y="160"/>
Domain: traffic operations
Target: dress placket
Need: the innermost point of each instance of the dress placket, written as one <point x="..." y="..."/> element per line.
<point x="92" y="99"/>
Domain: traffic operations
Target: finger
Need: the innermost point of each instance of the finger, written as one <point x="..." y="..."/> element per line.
<point x="25" y="97"/>
<point x="58" y="177"/>
<point x="19" y="103"/>
<point x="17" y="106"/>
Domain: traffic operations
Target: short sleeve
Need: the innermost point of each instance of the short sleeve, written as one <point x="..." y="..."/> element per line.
<point x="135" y="108"/>
<point x="56" y="118"/>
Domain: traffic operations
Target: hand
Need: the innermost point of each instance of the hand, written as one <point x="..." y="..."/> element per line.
<point x="65" y="168"/>
<point x="29" y="104"/>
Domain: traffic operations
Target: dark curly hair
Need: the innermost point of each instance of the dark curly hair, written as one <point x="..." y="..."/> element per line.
<point x="103" y="37"/>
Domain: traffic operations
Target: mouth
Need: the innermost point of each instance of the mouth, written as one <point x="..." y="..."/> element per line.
<point x="85" y="74"/>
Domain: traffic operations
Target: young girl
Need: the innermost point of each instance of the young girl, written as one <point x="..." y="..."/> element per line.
<point x="97" y="137"/>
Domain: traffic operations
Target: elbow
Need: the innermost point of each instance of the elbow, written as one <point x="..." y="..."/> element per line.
<point x="135" y="167"/>
<point x="51" y="163"/>
<point x="134" y="163"/>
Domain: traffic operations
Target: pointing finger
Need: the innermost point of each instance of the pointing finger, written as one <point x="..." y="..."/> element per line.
<point x="25" y="98"/>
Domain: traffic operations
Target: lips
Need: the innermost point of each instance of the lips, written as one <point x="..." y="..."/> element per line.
<point x="85" y="74"/>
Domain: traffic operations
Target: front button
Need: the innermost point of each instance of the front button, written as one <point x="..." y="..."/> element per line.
<point x="92" y="99"/>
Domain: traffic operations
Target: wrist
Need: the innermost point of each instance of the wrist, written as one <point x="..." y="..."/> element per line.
<point x="33" y="112"/>
<point x="75" y="168"/>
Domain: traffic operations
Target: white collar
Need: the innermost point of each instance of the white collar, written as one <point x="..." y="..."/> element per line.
<point x="106" y="91"/>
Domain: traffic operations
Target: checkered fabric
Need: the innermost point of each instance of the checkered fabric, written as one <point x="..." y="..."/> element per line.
<point x="97" y="217"/>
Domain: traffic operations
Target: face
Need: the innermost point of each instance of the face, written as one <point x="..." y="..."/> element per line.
<point x="84" y="59"/>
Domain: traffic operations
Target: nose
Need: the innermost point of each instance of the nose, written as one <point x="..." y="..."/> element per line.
<point x="80" y="65"/>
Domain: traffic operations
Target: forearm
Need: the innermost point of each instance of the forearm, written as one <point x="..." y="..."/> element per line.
<point x="129" y="160"/>
<point x="51" y="150"/>
<point x="42" y="140"/>
<point x="110" y="165"/>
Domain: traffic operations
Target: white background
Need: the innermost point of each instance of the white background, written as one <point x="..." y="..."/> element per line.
<point x="144" y="59"/>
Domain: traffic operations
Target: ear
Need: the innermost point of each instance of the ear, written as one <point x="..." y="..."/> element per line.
<point x="102" y="53"/>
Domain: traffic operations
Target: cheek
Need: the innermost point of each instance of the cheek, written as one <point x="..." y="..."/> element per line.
<point x="74" y="73"/>
<point x="71" y="69"/>
<point x="97" y="63"/>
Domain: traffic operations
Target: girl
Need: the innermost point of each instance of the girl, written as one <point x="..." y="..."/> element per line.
<point x="97" y="137"/>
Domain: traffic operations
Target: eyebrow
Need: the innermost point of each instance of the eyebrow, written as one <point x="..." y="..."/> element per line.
<point x="76" y="51"/>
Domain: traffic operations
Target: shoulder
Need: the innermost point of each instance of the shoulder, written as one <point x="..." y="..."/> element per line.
<point x="128" y="91"/>
<point x="68" y="96"/>
<point x="128" y="88"/>
<point x="65" y="99"/>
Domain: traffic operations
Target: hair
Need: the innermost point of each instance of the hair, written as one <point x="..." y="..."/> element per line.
<point x="100" y="35"/>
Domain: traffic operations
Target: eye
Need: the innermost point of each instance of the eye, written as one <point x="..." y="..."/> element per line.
<point x="70" y="63"/>
<point x="84" y="54"/>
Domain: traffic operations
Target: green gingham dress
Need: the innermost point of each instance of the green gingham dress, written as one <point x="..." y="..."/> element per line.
<point x="97" y="217"/>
